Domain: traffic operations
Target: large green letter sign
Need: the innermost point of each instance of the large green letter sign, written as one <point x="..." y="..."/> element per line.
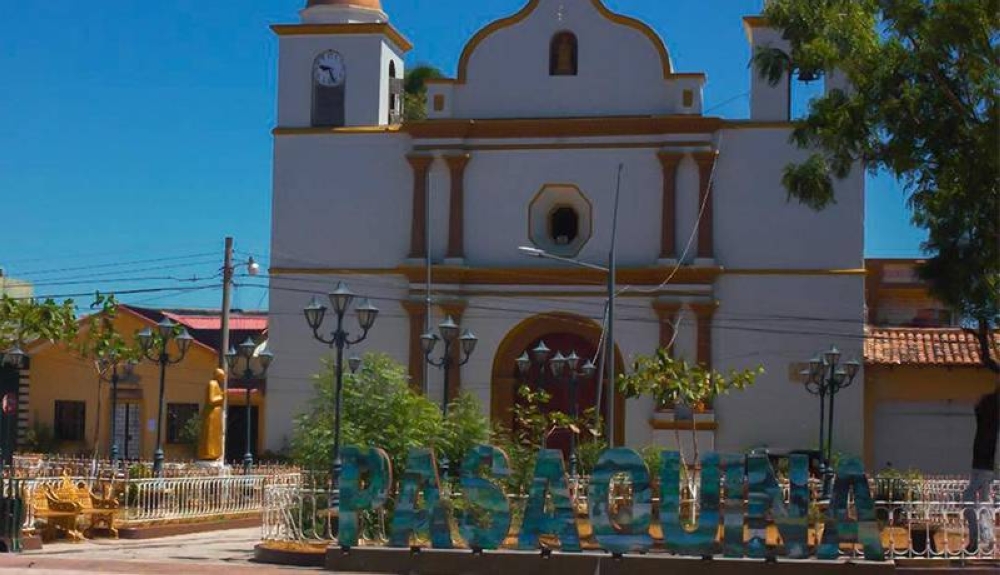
<point x="550" y="477"/>
<point x="421" y="477"/>
<point x="359" y="463"/>
<point x="628" y="530"/>
<point x="484" y="525"/>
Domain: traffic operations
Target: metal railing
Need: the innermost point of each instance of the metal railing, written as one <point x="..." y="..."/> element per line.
<point x="161" y="499"/>
<point x="153" y="500"/>
<point x="301" y="513"/>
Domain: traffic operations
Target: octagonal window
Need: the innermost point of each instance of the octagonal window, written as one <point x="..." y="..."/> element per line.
<point x="560" y="219"/>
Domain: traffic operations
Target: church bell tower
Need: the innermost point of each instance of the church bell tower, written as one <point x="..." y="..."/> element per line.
<point x="341" y="66"/>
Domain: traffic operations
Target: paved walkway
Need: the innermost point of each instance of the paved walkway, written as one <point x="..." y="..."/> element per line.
<point x="216" y="553"/>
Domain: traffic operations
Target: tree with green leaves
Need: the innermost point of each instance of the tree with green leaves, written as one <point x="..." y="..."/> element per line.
<point x="415" y="91"/>
<point x="23" y="321"/>
<point x="380" y="409"/>
<point x="686" y="386"/>
<point x="921" y="103"/>
<point x="104" y="346"/>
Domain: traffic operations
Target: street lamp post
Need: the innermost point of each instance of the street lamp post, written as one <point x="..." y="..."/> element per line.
<point x="563" y="368"/>
<point x="14" y="357"/>
<point x="108" y="372"/>
<point x="826" y="377"/>
<point x="341" y="299"/>
<point x="448" y="331"/>
<point x="246" y="353"/>
<point x="154" y="348"/>
<point x="608" y="358"/>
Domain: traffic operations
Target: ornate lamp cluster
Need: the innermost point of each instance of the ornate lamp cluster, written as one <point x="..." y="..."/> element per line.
<point x="248" y="375"/>
<point x="566" y="370"/>
<point x="448" y="331"/>
<point x="826" y="377"/>
<point x="155" y="348"/>
<point x="341" y="299"/>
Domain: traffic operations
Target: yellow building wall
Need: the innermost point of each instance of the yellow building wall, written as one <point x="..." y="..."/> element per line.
<point x="905" y="383"/>
<point x="57" y="373"/>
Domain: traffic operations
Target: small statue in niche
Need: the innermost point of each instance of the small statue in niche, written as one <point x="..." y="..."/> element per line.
<point x="563" y="60"/>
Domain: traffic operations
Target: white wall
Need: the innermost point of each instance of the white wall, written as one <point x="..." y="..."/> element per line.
<point x="331" y="194"/>
<point x="620" y="70"/>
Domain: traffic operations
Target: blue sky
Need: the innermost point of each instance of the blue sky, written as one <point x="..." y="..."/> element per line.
<point x="139" y="131"/>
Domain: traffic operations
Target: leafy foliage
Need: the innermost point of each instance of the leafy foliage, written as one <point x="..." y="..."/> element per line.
<point x="415" y="91"/>
<point x="381" y="409"/>
<point x="675" y="381"/>
<point x="100" y="341"/>
<point x="26" y="320"/>
<point x="923" y="106"/>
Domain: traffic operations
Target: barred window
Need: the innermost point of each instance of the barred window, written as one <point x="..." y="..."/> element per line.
<point x="70" y="420"/>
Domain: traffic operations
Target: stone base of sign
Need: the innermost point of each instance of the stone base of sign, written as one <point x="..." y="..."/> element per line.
<point x="464" y="562"/>
<point x="277" y="554"/>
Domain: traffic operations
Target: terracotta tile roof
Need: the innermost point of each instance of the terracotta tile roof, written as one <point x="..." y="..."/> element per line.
<point x="922" y="346"/>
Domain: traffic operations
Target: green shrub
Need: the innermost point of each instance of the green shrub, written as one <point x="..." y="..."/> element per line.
<point x="380" y="409"/>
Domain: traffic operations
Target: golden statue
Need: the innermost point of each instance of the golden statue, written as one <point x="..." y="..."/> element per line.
<point x="210" y="442"/>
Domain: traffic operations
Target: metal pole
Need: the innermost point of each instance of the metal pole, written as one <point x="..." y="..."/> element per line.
<point x="114" y="413"/>
<point x="248" y="456"/>
<point x="576" y="413"/>
<point x="427" y="287"/>
<point x="446" y="361"/>
<point x="339" y="338"/>
<point x="227" y="295"/>
<point x="610" y="349"/>
<point x="158" y="456"/>
<point x="822" y="428"/>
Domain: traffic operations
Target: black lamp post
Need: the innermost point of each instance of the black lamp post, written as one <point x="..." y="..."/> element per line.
<point x="341" y="299"/>
<point x="826" y="377"/>
<point x="564" y="369"/>
<point x="449" y="334"/>
<point x="248" y="375"/>
<point x="154" y="348"/>
<point x="15" y="358"/>
<point x="108" y="372"/>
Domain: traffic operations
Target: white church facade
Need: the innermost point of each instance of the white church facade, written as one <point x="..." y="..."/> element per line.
<point x="522" y="148"/>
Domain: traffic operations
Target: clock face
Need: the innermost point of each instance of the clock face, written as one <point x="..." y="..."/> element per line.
<point x="329" y="69"/>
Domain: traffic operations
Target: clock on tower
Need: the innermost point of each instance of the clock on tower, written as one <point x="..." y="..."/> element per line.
<point x="342" y="66"/>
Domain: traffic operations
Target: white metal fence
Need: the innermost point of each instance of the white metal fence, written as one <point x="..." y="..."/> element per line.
<point x="149" y="501"/>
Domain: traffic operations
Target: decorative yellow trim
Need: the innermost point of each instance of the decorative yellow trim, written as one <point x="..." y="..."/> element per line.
<point x="553" y="128"/>
<point x="542" y="294"/>
<point x="488" y="30"/>
<point x="556" y="276"/>
<point x="313" y="131"/>
<point x="669" y="424"/>
<point x="795" y="272"/>
<point x="562" y="146"/>
<point x="563" y="127"/>
<point x="509" y="21"/>
<point x="756" y="21"/>
<point x="538" y="195"/>
<point x="385" y="29"/>
<point x="642" y="28"/>
<point x="560" y="275"/>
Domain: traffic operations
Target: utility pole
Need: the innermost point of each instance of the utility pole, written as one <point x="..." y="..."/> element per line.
<point x="612" y="287"/>
<point x="227" y="296"/>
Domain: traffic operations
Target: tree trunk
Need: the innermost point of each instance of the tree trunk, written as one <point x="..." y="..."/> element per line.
<point x="985" y="336"/>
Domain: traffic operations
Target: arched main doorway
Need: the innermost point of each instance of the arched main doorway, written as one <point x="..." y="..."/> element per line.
<point x="561" y="332"/>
